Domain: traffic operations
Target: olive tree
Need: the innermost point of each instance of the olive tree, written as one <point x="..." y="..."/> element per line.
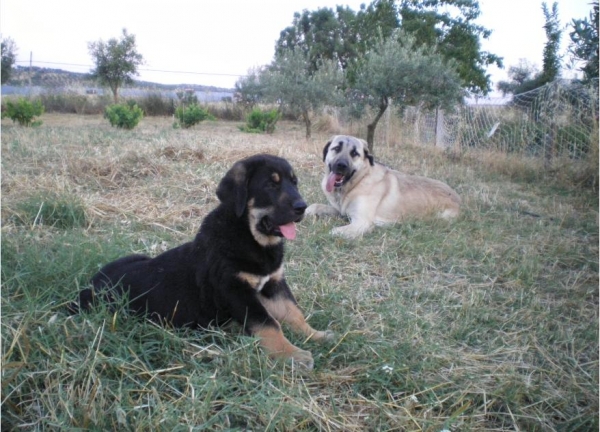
<point x="9" y="56"/>
<point x="116" y="61"/>
<point x="399" y="72"/>
<point x="344" y="35"/>
<point x="291" y="81"/>
<point x="249" y="90"/>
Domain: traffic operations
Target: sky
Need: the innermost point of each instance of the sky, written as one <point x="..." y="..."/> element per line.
<point x="213" y="43"/>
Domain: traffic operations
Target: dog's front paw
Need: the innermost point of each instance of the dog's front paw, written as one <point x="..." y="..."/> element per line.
<point x="346" y="231"/>
<point x="329" y="336"/>
<point x="313" y="210"/>
<point x="323" y="336"/>
<point x="321" y="210"/>
<point x="303" y="359"/>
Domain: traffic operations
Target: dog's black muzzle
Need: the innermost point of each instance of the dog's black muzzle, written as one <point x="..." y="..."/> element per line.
<point x="343" y="171"/>
<point x="341" y="167"/>
<point x="299" y="206"/>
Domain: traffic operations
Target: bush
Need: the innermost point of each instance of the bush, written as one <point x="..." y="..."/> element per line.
<point x="125" y="116"/>
<point x="24" y="112"/>
<point x="261" y="121"/>
<point x="188" y="116"/>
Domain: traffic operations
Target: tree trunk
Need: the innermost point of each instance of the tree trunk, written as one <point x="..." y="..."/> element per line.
<point x="383" y="104"/>
<point x="115" y="92"/>
<point x="307" y="123"/>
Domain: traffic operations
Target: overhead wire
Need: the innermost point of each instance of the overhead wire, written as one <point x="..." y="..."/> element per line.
<point x="140" y="69"/>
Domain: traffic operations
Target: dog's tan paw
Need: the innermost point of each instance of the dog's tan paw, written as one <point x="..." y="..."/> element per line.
<point x="303" y="359"/>
<point x="323" y="336"/>
<point x="329" y="336"/>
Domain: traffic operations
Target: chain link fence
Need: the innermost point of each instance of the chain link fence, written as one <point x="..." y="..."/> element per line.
<point x="558" y="119"/>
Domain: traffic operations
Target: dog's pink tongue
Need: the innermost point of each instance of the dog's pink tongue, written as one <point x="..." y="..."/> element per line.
<point x="288" y="230"/>
<point x="330" y="182"/>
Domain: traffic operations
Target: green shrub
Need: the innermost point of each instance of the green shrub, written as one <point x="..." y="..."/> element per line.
<point x="125" y="116"/>
<point x="188" y="116"/>
<point x="24" y="112"/>
<point x="259" y="121"/>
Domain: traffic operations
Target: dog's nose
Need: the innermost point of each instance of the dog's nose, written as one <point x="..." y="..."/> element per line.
<point x="341" y="166"/>
<point x="299" y="207"/>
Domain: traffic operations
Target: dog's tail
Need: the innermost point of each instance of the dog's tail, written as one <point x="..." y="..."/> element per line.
<point x="87" y="299"/>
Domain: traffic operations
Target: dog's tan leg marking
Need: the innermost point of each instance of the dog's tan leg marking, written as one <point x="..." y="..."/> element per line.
<point x="276" y="344"/>
<point x="286" y="311"/>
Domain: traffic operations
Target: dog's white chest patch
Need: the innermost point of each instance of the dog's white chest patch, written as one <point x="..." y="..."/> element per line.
<point x="258" y="282"/>
<point x="261" y="282"/>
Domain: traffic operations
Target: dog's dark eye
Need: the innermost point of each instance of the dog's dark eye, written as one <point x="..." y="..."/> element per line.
<point x="354" y="153"/>
<point x="337" y="149"/>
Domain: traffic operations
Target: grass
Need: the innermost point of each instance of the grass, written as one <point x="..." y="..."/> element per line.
<point x="486" y="323"/>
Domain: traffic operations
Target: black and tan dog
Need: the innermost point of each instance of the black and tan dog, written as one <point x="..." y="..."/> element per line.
<point x="233" y="269"/>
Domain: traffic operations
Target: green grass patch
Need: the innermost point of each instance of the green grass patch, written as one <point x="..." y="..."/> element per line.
<point x="52" y="210"/>
<point x="489" y="322"/>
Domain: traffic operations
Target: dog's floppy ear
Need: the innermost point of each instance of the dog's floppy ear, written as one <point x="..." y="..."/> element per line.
<point x="233" y="188"/>
<point x="326" y="149"/>
<point x="369" y="157"/>
<point x="365" y="149"/>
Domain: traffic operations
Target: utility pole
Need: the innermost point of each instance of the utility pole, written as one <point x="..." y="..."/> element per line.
<point x="30" y="72"/>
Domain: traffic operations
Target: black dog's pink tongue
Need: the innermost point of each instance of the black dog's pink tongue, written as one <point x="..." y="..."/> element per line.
<point x="330" y="182"/>
<point x="288" y="230"/>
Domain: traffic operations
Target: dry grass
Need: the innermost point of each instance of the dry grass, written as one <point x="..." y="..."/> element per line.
<point x="487" y="323"/>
